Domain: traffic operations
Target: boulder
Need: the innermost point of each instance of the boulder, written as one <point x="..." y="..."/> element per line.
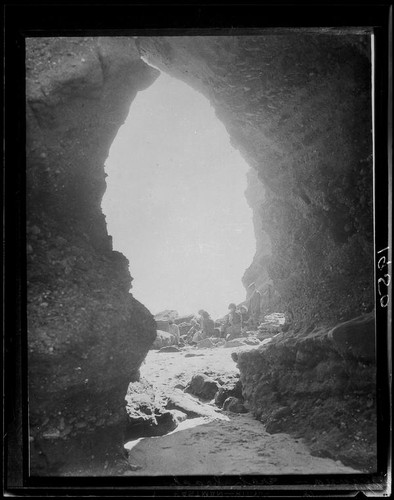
<point x="234" y="405"/>
<point x="184" y="328"/>
<point x="162" y="325"/>
<point x="170" y="348"/>
<point x="166" y="315"/>
<point x="219" y="342"/>
<point x="234" y="343"/>
<point x="142" y="400"/>
<point x="356" y="337"/>
<point x="184" y="319"/>
<point x="251" y="341"/>
<point x="202" y="386"/>
<point x="163" y="339"/>
<point x="232" y="389"/>
<point x="179" y="416"/>
<point x="263" y="334"/>
<point x="277" y="422"/>
<point x="204" y="344"/>
<point x="192" y="408"/>
<point x="146" y="413"/>
<point x="270" y="327"/>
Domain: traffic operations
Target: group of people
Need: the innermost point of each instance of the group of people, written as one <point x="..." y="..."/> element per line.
<point x="236" y="321"/>
<point x="202" y="327"/>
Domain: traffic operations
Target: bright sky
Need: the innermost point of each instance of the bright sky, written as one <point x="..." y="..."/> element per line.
<point x="175" y="203"/>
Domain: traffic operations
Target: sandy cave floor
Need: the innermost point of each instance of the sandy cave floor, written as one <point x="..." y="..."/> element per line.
<point x="238" y="445"/>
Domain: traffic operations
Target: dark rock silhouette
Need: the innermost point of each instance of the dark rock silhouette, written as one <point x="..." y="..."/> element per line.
<point x="203" y="386"/>
<point x="320" y="386"/>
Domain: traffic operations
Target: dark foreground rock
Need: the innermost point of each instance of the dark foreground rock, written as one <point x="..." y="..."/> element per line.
<point x="356" y="338"/>
<point x="319" y="387"/>
<point x="202" y="386"/>
<point x="87" y="334"/>
<point x="229" y="389"/>
<point x="234" y="405"/>
<point x="146" y="412"/>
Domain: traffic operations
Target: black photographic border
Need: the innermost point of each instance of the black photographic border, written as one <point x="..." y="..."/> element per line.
<point x="98" y="18"/>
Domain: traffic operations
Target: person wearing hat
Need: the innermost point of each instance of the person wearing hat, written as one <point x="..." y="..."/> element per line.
<point x="233" y="323"/>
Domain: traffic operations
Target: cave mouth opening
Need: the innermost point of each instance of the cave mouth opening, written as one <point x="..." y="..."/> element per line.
<point x="175" y="202"/>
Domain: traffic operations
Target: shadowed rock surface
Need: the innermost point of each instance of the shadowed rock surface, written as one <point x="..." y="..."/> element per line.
<point x="87" y="334"/>
<point x="298" y="109"/>
<point x="202" y="386"/>
<point x="320" y="386"/>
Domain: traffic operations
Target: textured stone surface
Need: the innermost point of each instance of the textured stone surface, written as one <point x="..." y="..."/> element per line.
<point x="202" y="386"/>
<point x="234" y="405"/>
<point x="146" y="413"/>
<point x="162" y="339"/>
<point x="356" y="338"/>
<point x="170" y="348"/>
<point x="87" y="334"/>
<point x="205" y="344"/>
<point x="232" y="388"/>
<point x="317" y="388"/>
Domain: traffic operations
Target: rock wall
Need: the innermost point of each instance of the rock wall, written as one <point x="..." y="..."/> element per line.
<point x="319" y="386"/>
<point x="87" y="335"/>
<point x="298" y="108"/>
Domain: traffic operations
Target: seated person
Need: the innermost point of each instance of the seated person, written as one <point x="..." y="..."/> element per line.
<point x="207" y="327"/>
<point x="174" y="330"/>
<point x="207" y="324"/>
<point x="233" y="324"/>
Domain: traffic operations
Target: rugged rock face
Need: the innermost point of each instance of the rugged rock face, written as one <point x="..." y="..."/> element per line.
<point x="257" y="272"/>
<point x="298" y="109"/>
<point x="87" y="335"/>
<point x="319" y="386"/>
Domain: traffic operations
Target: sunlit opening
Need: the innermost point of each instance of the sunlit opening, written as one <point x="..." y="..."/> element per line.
<point x="175" y="203"/>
